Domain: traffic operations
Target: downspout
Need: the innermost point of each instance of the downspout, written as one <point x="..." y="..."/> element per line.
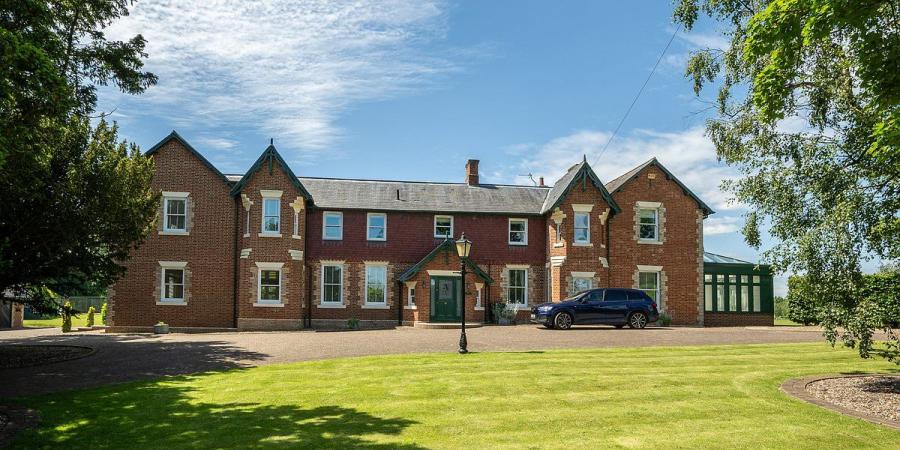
<point x="399" y="304"/>
<point x="237" y="262"/>
<point x="308" y="290"/>
<point x="608" y="245"/>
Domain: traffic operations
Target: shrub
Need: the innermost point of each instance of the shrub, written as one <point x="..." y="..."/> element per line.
<point x="781" y="308"/>
<point x="502" y="312"/>
<point x="803" y="305"/>
<point x="67" y="317"/>
<point x="353" y="324"/>
<point x="90" y="316"/>
<point x="665" y="319"/>
<point x="103" y="313"/>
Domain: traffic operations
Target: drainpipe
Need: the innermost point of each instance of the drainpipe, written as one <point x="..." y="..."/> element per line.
<point x="399" y="304"/>
<point x="608" y="245"/>
<point x="308" y="290"/>
<point x="237" y="262"/>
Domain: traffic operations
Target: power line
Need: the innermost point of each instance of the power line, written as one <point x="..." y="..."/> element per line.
<point x="636" y="97"/>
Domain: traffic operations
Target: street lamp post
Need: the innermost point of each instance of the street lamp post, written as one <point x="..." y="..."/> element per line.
<point x="463" y="247"/>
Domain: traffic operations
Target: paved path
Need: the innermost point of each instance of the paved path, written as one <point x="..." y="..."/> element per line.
<point x="127" y="357"/>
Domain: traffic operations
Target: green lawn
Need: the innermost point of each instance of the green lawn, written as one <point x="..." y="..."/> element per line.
<point x="698" y="397"/>
<point x="56" y="322"/>
<point x="782" y="322"/>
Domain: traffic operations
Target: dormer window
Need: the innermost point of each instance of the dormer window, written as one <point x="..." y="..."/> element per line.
<point x="582" y="228"/>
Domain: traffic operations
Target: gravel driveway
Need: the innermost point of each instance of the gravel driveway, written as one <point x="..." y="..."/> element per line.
<point x="127" y="357"/>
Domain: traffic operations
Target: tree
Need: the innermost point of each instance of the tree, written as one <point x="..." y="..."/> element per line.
<point x="808" y="109"/>
<point x="76" y="199"/>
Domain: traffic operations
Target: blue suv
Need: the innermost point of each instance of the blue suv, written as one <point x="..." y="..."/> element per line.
<point x="610" y="306"/>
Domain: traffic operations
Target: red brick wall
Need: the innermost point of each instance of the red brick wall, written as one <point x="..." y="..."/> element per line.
<point x="271" y="250"/>
<point x="680" y="254"/>
<point x="578" y="258"/>
<point x="208" y="250"/>
<point x="718" y="319"/>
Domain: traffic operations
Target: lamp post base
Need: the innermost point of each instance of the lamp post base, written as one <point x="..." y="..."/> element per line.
<point x="463" y="343"/>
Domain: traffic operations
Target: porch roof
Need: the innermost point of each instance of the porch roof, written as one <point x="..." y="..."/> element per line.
<point x="446" y="245"/>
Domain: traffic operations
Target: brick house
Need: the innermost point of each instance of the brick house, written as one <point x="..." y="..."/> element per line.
<point x="270" y="250"/>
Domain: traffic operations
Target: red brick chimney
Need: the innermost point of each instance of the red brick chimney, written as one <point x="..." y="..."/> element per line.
<point x="541" y="181"/>
<point x="472" y="172"/>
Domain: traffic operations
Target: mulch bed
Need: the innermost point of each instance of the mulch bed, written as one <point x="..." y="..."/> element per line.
<point x="875" y="398"/>
<point x="16" y="356"/>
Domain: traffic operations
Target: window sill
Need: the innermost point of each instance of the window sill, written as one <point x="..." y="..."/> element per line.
<point x="409" y="307"/>
<point x="270" y="235"/>
<point x="648" y="241"/>
<point x="517" y="306"/>
<point x="269" y="305"/>
<point x="246" y="234"/>
<point x="376" y="240"/>
<point x="583" y="244"/>
<point x="376" y="306"/>
<point x="479" y="308"/>
<point x="518" y="244"/>
<point x="331" y="306"/>
<point x="333" y="239"/>
<point x="174" y="233"/>
<point x="296" y="236"/>
<point x="171" y="303"/>
<point x="559" y="245"/>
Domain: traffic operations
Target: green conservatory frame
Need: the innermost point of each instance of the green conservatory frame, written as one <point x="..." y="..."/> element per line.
<point x="736" y="287"/>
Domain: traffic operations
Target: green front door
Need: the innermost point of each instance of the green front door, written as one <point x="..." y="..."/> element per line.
<point x="445" y="299"/>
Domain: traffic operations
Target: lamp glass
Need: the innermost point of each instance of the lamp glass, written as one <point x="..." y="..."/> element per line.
<point x="463" y="246"/>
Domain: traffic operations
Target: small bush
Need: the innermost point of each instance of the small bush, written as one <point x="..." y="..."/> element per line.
<point x="503" y="312"/>
<point x="665" y="319"/>
<point x="90" y="316"/>
<point x="353" y="324"/>
<point x="781" y="308"/>
<point x="67" y="317"/>
<point x="103" y="313"/>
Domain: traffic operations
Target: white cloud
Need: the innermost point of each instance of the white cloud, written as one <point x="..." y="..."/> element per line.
<point x="689" y="154"/>
<point x="721" y="225"/>
<point x="288" y="68"/>
<point x="706" y="40"/>
<point x="217" y="143"/>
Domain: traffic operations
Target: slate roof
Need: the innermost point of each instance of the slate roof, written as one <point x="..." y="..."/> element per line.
<point x="448" y="245"/>
<point x="719" y="259"/>
<point x="620" y="181"/>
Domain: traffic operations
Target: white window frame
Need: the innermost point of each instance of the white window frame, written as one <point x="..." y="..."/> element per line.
<point x="276" y="267"/>
<point x="655" y="237"/>
<point x="268" y="195"/>
<point x="340" y="216"/>
<point x="369" y="226"/>
<point x="524" y="232"/>
<point x="509" y="286"/>
<point x="582" y="276"/>
<point x="172" y="265"/>
<point x="384" y="292"/>
<point x="436" y="217"/>
<point x="182" y="196"/>
<point x="656" y="270"/>
<point x="575" y="228"/>
<point x="331" y="304"/>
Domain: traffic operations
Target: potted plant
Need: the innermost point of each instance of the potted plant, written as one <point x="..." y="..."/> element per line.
<point x="161" y="328"/>
<point x="505" y="314"/>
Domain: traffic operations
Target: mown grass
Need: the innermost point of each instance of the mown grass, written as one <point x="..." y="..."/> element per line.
<point x="56" y="322"/>
<point x="679" y="397"/>
<point x="784" y="322"/>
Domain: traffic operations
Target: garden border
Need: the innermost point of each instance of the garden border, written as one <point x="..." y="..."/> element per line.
<point x="92" y="351"/>
<point x="796" y="387"/>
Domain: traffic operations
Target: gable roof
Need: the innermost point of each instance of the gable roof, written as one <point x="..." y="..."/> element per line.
<point x="618" y="183"/>
<point x="270" y="155"/>
<point x="450" y="246"/>
<point x="719" y="259"/>
<point x="174" y="135"/>
<point x="579" y="172"/>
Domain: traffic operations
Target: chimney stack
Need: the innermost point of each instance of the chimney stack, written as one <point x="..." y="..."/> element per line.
<point x="472" y="172"/>
<point x="541" y="181"/>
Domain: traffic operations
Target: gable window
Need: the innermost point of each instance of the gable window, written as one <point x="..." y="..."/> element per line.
<point x="376" y="285"/>
<point x="649" y="224"/>
<point x="649" y="283"/>
<point x="333" y="229"/>
<point x="175" y="212"/>
<point x="269" y="286"/>
<point x="518" y="232"/>
<point x="376" y="227"/>
<point x="271" y="212"/>
<point x="582" y="228"/>
<point x="443" y="226"/>
<point x="332" y="284"/>
<point x="517" y="290"/>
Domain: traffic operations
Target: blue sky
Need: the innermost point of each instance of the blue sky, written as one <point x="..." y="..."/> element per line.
<point x="410" y="90"/>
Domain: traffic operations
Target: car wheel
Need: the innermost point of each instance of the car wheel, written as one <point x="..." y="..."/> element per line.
<point x="562" y="320"/>
<point x="637" y="320"/>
